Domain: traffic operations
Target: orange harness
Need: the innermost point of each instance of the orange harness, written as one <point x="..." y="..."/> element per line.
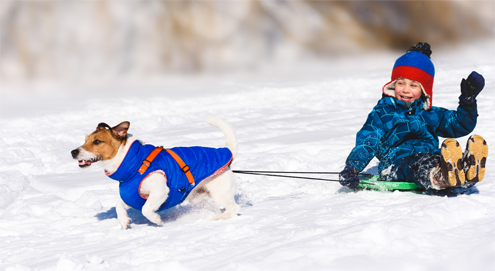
<point x="156" y="151"/>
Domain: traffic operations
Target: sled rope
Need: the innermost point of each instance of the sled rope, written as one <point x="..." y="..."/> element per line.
<point x="282" y="174"/>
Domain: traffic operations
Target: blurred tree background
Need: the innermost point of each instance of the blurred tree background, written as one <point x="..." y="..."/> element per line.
<point x="64" y="40"/>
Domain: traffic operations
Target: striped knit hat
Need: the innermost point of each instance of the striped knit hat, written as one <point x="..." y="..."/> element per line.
<point x="414" y="65"/>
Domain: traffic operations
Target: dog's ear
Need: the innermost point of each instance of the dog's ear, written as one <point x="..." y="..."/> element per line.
<point x="121" y="129"/>
<point x="102" y="125"/>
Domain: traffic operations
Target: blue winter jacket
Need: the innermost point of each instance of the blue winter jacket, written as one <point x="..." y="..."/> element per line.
<point x="202" y="161"/>
<point x="394" y="130"/>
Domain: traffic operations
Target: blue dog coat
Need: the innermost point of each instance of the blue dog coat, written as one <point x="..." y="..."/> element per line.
<point x="202" y="161"/>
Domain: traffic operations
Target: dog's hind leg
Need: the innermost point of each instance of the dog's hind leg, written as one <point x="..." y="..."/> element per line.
<point x="155" y="186"/>
<point x="121" y="209"/>
<point x="200" y="197"/>
<point x="222" y="191"/>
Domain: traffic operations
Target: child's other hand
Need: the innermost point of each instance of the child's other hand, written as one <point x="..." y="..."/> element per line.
<point x="349" y="177"/>
<point x="471" y="87"/>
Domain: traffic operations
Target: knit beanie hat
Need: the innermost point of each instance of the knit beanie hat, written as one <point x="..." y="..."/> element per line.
<point x="414" y="65"/>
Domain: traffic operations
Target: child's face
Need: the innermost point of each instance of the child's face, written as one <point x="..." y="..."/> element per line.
<point x="407" y="90"/>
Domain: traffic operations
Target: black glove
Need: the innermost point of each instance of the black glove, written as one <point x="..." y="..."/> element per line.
<point x="470" y="88"/>
<point x="349" y="177"/>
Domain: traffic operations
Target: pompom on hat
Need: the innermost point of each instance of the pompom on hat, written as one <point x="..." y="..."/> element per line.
<point x="414" y="65"/>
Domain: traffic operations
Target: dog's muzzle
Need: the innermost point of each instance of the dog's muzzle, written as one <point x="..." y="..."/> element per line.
<point x="84" y="163"/>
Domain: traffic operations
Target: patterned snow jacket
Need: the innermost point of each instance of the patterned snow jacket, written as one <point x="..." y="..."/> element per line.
<point x="394" y="130"/>
<point x="203" y="162"/>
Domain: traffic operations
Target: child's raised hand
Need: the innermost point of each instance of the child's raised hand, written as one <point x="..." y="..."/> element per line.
<point x="470" y="88"/>
<point x="349" y="177"/>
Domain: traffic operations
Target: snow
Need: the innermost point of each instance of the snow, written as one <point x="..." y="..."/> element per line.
<point x="302" y="117"/>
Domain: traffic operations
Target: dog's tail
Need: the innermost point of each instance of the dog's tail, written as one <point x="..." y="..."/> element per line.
<point x="228" y="131"/>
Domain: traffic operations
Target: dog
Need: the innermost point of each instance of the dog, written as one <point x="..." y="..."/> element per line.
<point x="152" y="178"/>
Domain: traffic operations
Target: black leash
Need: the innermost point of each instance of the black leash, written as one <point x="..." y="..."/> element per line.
<point x="281" y="174"/>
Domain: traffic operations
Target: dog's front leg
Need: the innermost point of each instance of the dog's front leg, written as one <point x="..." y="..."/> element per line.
<point x="155" y="186"/>
<point x="121" y="209"/>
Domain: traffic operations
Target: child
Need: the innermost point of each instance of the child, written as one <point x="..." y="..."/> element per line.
<point x="402" y="130"/>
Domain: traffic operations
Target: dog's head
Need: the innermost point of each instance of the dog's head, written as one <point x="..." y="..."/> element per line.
<point x="103" y="144"/>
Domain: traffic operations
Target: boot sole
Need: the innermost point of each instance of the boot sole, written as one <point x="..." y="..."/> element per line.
<point x="451" y="162"/>
<point x="476" y="155"/>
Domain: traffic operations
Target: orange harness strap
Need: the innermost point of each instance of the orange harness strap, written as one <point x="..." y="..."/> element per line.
<point x="149" y="159"/>
<point x="155" y="152"/>
<point x="182" y="165"/>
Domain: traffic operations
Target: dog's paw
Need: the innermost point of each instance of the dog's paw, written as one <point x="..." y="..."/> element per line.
<point x="229" y="212"/>
<point x="155" y="218"/>
<point x="223" y="216"/>
<point x="219" y="217"/>
<point x="124" y="223"/>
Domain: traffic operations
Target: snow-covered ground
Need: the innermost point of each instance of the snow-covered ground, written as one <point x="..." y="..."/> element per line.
<point x="297" y="117"/>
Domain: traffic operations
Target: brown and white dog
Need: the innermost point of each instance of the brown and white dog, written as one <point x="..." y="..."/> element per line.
<point x="108" y="146"/>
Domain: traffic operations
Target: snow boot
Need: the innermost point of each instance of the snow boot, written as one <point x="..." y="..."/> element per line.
<point x="438" y="182"/>
<point x="475" y="159"/>
<point x="451" y="163"/>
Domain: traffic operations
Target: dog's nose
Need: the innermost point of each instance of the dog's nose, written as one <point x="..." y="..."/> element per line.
<point x="74" y="153"/>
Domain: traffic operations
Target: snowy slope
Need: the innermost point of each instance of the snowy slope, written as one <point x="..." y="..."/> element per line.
<point x="56" y="216"/>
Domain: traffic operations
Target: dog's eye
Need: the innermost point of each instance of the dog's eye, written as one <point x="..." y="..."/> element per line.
<point x="96" y="142"/>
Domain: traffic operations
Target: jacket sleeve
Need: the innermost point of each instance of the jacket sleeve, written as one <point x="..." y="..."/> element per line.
<point x="367" y="141"/>
<point x="456" y="123"/>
